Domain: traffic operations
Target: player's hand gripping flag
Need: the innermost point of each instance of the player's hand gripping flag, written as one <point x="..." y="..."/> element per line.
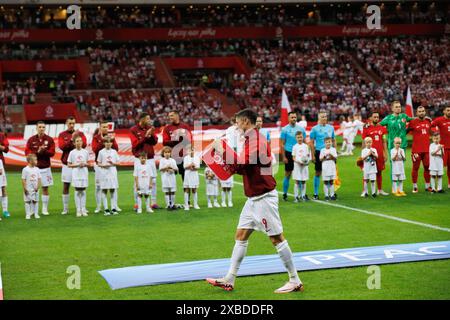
<point x="217" y="156"/>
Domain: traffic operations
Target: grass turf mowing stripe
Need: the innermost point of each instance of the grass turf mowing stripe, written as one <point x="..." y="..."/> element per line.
<point x="381" y="215"/>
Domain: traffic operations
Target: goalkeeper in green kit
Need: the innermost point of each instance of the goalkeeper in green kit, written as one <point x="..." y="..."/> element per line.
<point x="395" y="124"/>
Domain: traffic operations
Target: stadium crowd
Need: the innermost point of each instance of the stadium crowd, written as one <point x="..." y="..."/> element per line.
<point x="123" y="107"/>
<point x="17" y="17"/>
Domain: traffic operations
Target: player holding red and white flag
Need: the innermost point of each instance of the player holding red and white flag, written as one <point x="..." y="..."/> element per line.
<point x="260" y="212"/>
<point x="420" y="128"/>
<point x="285" y="109"/>
<point x="409" y="109"/>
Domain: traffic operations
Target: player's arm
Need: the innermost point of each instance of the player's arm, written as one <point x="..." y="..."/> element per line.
<point x="167" y="140"/>
<point x="4" y="146"/>
<point x="136" y="182"/>
<point x="385" y="121"/>
<point x="135" y="141"/>
<point x="283" y="158"/>
<point x="50" y="151"/>
<point x="39" y="184"/>
<point x="115" y="145"/>
<point x="333" y="156"/>
<point x="313" y="149"/>
<point x="24" y="186"/>
<point x="83" y="137"/>
<point x="63" y="144"/>
<point x="28" y="148"/>
<point x="374" y="153"/>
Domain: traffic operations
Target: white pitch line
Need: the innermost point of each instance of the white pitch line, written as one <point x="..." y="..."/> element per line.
<point x="426" y="225"/>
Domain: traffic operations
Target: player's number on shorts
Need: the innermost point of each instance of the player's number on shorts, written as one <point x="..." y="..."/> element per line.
<point x="264" y="222"/>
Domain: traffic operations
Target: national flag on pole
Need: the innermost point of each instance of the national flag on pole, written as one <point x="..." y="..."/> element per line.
<point x="409" y="110"/>
<point x="285" y="109"/>
<point x="1" y="286"/>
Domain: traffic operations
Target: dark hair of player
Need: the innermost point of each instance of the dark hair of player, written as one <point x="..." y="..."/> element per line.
<point x="292" y="112"/>
<point x="248" y="114"/>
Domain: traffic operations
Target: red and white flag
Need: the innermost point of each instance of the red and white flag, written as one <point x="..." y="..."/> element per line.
<point x="409" y="110"/>
<point x="219" y="164"/>
<point x="1" y="286"/>
<point x="285" y="109"/>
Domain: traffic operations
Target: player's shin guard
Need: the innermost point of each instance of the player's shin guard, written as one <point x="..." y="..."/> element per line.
<point x="45" y="200"/>
<point x="27" y="210"/>
<point x="139" y="203"/>
<point x="186" y="199"/>
<point x="372" y="186"/>
<point x="286" y="184"/>
<point x="285" y="254"/>
<point x="114" y="196"/>
<point x="325" y="188"/>
<point x="149" y="202"/>
<point x="239" y="252"/>
<point x="196" y="199"/>
<point x="303" y="188"/>
<point x="296" y="187"/>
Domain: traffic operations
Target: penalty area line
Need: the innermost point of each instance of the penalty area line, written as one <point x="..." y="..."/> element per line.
<point x="381" y="215"/>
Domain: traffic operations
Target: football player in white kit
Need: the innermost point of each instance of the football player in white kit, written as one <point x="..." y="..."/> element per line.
<point x="43" y="146"/>
<point x="107" y="160"/>
<point x="78" y="162"/>
<point x="191" y="164"/>
<point x="301" y="154"/>
<point x="143" y="182"/>
<point x="31" y="182"/>
<point x="328" y="156"/>
<point x="168" y="167"/>
<point x="212" y="188"/>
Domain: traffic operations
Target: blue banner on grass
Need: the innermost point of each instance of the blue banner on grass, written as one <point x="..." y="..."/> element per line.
<point x="267" y="264"/>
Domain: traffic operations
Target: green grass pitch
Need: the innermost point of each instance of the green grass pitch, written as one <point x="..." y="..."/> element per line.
<point x="35" y="254"/>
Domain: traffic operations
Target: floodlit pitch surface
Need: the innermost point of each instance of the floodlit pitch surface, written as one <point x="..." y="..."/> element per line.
<point x="35" y="255"/>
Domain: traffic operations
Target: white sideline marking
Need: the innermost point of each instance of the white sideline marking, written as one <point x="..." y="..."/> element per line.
<point x="426" y="225"/>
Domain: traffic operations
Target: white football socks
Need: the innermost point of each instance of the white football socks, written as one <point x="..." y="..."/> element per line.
<point x="5" y="203"/>
<point x="98" y="197"/>
<point x="195" y="199"/>
<point x="65" y="199"/>
<point x="153" y="191"/>
<point x="45" y="201"/>
<point x="239" y="252"/>
<point x="285" y="253"/>
<point x="105" y="200"/>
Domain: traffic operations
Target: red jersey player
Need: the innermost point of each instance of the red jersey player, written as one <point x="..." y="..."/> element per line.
<point x="98" y="143"/>
<point x="4" y="148"/>
<point x="143" y="139"/>
<point x="376" y="131"/>
<point x="65" y="143"/>
<point x="420" y="128"/>
<point x="43" y="146"/>
<point x="443" y="124"/>
<point x="174" y="134"/>
<point x="260" y="212"/>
